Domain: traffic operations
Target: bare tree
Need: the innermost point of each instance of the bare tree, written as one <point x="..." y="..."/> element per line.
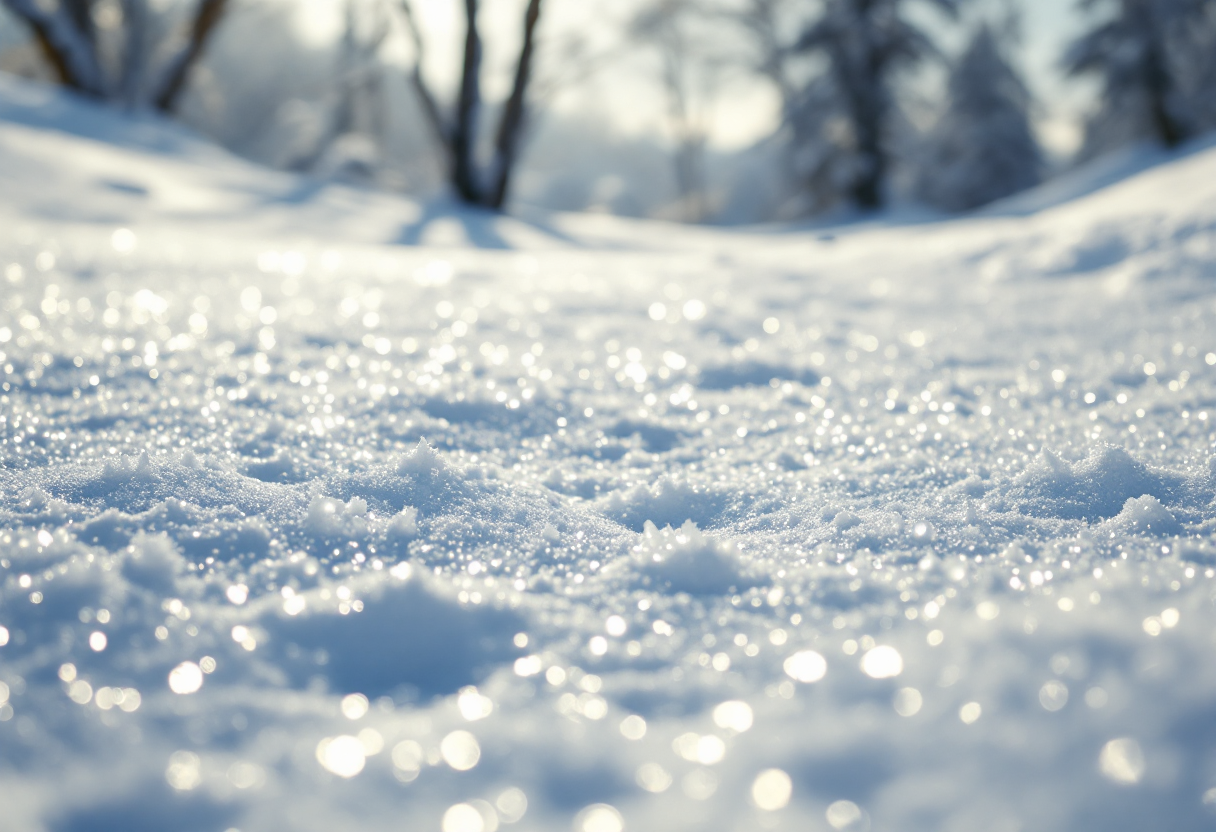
<point x="67" y="39"/>
<point x="70" y="42"/>
<point x="206" y="18"/>
<point x="352" y="99"/>
<point x="459" y="134"/>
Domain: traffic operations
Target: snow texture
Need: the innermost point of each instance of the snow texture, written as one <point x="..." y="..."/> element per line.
<point x="584" y="524"/>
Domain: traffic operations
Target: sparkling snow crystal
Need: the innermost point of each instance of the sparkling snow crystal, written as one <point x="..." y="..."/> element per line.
<point x="612" y="527"/>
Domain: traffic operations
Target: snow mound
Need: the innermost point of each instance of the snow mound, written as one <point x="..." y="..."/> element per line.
<point x="423" y="463"/>
<point x="329" y="518"/>
<point x="1138" y="166"/>
<point x="238" y="591"/>
<point x="403" y="637"/>
<point x="421" y="479"/>
<point x="155" y="562"/>
<point x="669" y="502"/>
<point x="73" y="593"/>
<point x="1143" y="516"/>
<point x="136" y="483"/>
<point x="686" y="560"/>
<point x="1095" y="488"/>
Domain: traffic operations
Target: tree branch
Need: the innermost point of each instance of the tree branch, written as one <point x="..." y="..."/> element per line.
<point x="206" y="18"/>
<point x="511" y="125"/>
<point x="429" y="105"/>
<point x="68" y="49"/>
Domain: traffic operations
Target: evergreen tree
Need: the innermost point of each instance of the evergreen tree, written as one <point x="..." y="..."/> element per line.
<point x="851" y="106"/>
<point x="983" y="148"/>
<point x="1140" y="53"/>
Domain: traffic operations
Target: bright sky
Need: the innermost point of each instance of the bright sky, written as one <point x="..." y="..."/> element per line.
<point x="1050" y="26"/>
<point x="628" y="97"/>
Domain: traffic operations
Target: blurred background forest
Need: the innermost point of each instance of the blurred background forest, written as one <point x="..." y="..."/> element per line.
<point x="714" y="111"/>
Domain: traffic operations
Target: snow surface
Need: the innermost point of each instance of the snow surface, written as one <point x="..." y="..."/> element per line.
<point x="571" y="523"/>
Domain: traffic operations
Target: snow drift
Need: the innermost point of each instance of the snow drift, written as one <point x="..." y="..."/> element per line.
<point x="607" y="526"/>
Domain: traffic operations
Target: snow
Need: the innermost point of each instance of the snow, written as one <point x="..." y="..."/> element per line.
<point x="560" y="523"/>
<point x="685" y="560"/>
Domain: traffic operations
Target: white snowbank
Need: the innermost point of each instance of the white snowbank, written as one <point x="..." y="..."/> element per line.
<point x="604" y="525"/>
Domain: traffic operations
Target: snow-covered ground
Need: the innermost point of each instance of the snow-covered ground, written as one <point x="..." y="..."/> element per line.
<point x="565" y="523"/>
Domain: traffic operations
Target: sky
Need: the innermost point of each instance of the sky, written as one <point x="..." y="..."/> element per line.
<point x="628" y="97"/>
<point x="1050" y="26"/>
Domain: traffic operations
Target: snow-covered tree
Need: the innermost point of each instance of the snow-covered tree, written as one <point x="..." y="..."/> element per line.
<point x="850" y="108"/>
<point x="1140" y="53"/>
<point x="983" y="148"/>
<point x="74" y="37"/>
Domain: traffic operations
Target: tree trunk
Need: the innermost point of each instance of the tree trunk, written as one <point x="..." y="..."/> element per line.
<point x="350" y="66"/>
<point x="459" y="140"/>
<point x="52" y="55"/>
<point x="68" y="48"/>
<point x="1160" y="91"/>
<point x="135" y="51"/>
<point x="206" y="19"/>
<point x="464" y="133"/>
<point x="511" y="126"/>
<point x="869" y="118"/>
<point x="867" y="188"/>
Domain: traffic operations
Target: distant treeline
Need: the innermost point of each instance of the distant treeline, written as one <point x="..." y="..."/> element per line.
<point x="859" y="123"/>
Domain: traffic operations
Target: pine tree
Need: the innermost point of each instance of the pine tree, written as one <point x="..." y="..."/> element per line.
<point x="1140" y="54"/>
<point x="851" y="107"/>
<point x="983" y="148"/>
